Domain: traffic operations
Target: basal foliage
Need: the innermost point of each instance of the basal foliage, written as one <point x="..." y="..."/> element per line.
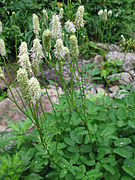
<point x="98" y="143"/>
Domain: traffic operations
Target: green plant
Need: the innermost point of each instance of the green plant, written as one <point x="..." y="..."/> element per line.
<point x="102" y="150"/>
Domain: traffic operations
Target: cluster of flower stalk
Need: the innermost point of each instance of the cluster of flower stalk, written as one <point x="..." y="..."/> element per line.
<point x="105" y="15"/>
<point x="30" y="61"/>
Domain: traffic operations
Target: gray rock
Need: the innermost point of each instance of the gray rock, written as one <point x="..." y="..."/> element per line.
<point x="111" y="47"/>
<point x="122" y="94"/>
<point x="123" y="78"/>
<point x="9" y="110"/>
<point x="98" y="60"/>
<point x="101" y="91"/>
<point x="114" y="89"/>
<point x="128" y="59"/>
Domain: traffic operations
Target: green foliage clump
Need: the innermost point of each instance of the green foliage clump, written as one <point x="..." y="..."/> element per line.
<point x="95" y="143"/>
<point x="122" y="18"/>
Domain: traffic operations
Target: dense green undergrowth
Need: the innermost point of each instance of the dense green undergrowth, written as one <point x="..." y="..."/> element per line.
<point x="98" y="146"/>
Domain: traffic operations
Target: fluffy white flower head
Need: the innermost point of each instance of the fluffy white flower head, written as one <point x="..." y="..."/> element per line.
<point x="56" y="27"/>
<point x="36" y="54"/>
<point x="2" y="48"/>
<point x="34" y="90"/>
<point x="23" y="49"/>
<point x="100" y="13"/>
<point x="25" y="63"/>
<point x="0" y="27"/>
<point x="70" y="27"/>
<point x="36" y="26"/>
<point x="110" y="13"/>
<point x="59" y="49"/>
<point x="79" y="22"/>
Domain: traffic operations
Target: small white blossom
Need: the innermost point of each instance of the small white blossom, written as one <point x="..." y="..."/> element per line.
<point x="0" y="27"/>
<point x="2" y="48"/>
<point x="100" y="13"/>
<point x="36" y="26"/>
<point x="70" y="27"/>
<point x="56" y="28"/>
<point x="36" y="54"/>
<point x="34" y="90"/>
<point x="61" y="13"/>
<point x="59" y="49"/>
<point x="110" y="13"/>
<point x="79" y="22"/>
<point x="123" y="38"/>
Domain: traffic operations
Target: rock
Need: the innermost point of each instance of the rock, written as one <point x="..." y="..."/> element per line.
<point x="122" y="94"/>
<point x="9" y="110"/>
<point x="98" y="60"/>
<point x="2" y="85"/>
<point x="114" y="89"/>
<point x="132" y="73"/>
<point x="128" y="59"/>
<point x="111" y="47"/>
<point x="123" y="78"/>
<point x="101" y="91"/>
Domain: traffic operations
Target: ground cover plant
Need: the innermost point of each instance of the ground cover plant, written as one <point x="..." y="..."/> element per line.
<point x="83" y="137"/>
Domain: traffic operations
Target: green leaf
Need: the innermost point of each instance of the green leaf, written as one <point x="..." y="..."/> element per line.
<point x="129" y="167"/>
<point x="124" y="152"/>
<point x="69" y="141"/>
<point x="85" y="148"/>
<point x="86" y="161"/>
<point x="109" y="168"/>
<point x="63" y="173"/>
<point x="94" y="174"/>
<point x="122" y="142"/>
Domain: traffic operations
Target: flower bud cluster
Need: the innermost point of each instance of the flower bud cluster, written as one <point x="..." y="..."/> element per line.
<point x="36" y="54"/>
<point x="61" y="13"/>
<point x="56" y="29"/>
<point x="70" y="27"/>
<point x="79" y="22"/>
<point x="74" y="47"/>
<point x="34" y="90"/>
<point x="36" y="26"/>
<point x="2" y="48"/>
<point x="45" y="16"/>
<point x="46" y="40"/>
<point x="22" y="78"/>
<point x="24" y="58"/>
<point x="59" y="49"/>
<point x="104" y="13"/>
<point x="30" y="88"/>
<point x="1" y="74"/>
